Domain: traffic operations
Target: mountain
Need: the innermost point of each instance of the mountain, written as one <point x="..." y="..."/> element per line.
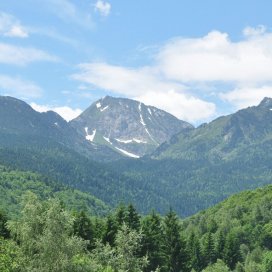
<point x="127" y="126"/>
<point x="20" y="125"/>
<point x="224" y="138"/>
<point x="193" y="170"/>
<point x="199" y="168"/>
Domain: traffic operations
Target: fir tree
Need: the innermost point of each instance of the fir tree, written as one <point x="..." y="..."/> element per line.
<point x="209" y="249"/>
<point x="84" y="228"/>
<point x="176" y="257"/>
<point x="193" y="247"/>
<point x="132" y="218"/>
<point x="152" y="242"/>
<point x="110" y="231"/>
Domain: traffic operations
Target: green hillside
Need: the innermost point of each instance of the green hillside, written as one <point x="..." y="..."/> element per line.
<point x="238" y="231"/>
<point x="14" y="184"/>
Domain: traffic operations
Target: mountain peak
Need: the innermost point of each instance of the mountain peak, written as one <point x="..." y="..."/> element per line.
<point x="128" y="126"/>
<point x="266" y="103"/>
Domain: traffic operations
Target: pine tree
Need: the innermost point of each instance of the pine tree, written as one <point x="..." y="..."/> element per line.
<point x="232" y="250"/>
<point x="220" y="244"/>
<point x="4" y="232"/>
<point x="152" y="242"/>
<point x="194" y="250"/>
<point x="132" y="218"/>
<point x="110" y="231"/>
<point x="120" y="215"/>
<point x="176" y="256"/>
<point x="209" y="249"/>
<point x="84" y="228"/>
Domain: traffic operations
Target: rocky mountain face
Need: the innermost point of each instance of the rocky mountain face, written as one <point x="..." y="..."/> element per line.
<point x="21" y="126"/>
<point x="127" y="126"/>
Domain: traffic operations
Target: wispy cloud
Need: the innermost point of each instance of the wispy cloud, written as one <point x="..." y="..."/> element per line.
<point x="11" y="27"/>
<point x="65" y="112"/>
<point x="103" y="7"/>
<point x="18" y="55"/>
<point x="172" y="81"/>
<point x="146" y="85"/>
<point x="16" y="86"/>
<point x="69" y="12"/>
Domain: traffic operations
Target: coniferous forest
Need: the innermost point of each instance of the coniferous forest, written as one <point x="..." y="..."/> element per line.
<point x="46" y="235"/>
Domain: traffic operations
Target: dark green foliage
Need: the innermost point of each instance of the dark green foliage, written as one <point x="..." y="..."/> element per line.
<point x="4" y="232"/>
<point x="152" y="242"/>
<point x="132" y="218"/>
<point x="232" y="250"/>
<point x="14" y="183"/>
<point x="209" y="249"/>
<point x="84" y="228"/>
<point x="111" y="230"/>
<point x="227" y="237"/>
<point x="176" y="256"/>
<point x="194" y="251"/>
<point x="242" y="234"/>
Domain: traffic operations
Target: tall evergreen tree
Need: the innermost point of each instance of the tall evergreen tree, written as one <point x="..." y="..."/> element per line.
<point x="132" y="218"/>
<point x="4" y="232"/>
<point x="83" y="227"/>
<point x="152" y="241"/>
<point x="194" y="251"/>
<point x="110" y="231"/>
<point x="232" y="250"/>
<point x="176" y="256"/>
<point x="209" y="249"/>
<point x="220" y="244"/>
<point x="121" y="215"/>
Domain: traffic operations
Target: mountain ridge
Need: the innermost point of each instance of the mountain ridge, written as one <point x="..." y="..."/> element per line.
<point x="127" y="125"/>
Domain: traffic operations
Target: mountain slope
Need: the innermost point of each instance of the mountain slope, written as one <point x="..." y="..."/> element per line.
<point x="127" y="126"/>
<point x="14" y="184"/>
<point x="20" y="125"/>
<point x="201" y="167"/>
<point x="223" y="138"/>
<point x="238" y="230"/>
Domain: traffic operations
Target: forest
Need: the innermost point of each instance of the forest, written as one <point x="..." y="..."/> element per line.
<point x="235" y="235"/>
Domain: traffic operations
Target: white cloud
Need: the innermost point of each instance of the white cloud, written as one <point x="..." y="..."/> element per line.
<point x="103" y="7"/>
<point x="254" y="31"/>
<point x="11" y="27"/>
<point x="148" y="86"/>
<point x="18" y="55"/>
<point x="172" y="81"/>
<point x="215" y="57"/>
<point x="65" y="112"/>
<point x="16" y="86"/>
<point x="247" y="96"/>
<point x="183" y="106"/>
<point x="69" y="13"/>
<point x="123" y="80"/>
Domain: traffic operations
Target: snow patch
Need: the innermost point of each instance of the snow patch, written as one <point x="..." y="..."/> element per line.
<point x="127" y="153"/>
<point x="90" y="137"/>
<point x="149" y="110"/>
<point x="56" y="124"/>
<point x="104" y="108"/>
<point x="144" y="124"/>
<point x="139" y="141"/>
<point x="131" y="141"/>
<point x="98" y="105"/>
<point x="107" y="139"/>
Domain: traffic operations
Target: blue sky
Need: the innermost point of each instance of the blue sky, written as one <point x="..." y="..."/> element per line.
<point x="196" y="59"/>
